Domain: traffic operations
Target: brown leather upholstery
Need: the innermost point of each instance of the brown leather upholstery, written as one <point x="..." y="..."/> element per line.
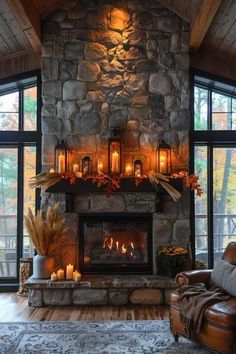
<point x="193" y="276"/>
<point x="218" y="331"/>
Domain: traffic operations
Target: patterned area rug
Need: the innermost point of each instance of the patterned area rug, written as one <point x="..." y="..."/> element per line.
<point x="92" y="337"/>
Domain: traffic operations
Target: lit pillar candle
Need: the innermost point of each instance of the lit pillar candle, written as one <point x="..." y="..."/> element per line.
<point x="163" y="162"/>
<point x="60" y="274"/>
<point x="53" y="276"/>
<point x="115" y="162"/>
<point x="128" y="169"/>
<point x="77" y="276"/>
<point x="74" y="273"/>
<point x="75" y="168"/>
<point x="61" y="163"/>
<point x="100" y="167"/>
<point x="69" y="271"/>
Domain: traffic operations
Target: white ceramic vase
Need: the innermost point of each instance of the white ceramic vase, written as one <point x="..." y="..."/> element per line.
<point x="43" y="266"/>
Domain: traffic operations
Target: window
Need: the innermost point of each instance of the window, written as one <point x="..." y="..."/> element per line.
<point x="20" y="141"/>
<point x="213" y="135"/>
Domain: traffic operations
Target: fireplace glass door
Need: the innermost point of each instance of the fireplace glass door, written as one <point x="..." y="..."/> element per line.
<point x="115" y="243"/>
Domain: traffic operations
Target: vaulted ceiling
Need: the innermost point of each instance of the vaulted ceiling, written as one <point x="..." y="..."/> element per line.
<point x="212" y="34"/>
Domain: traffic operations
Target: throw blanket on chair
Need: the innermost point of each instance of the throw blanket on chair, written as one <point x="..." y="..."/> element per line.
<point x="193" y="300"/>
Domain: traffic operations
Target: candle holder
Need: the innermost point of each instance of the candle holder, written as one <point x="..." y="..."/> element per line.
<point x="138" y="168"/>
<point x="115" y="153"/>
<point x="60" y="156"/>
<point x="86" y="166"/>
<point x="164" y="158"/>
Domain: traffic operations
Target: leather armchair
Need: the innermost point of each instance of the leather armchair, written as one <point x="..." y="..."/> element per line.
<point x="218" y="331"/>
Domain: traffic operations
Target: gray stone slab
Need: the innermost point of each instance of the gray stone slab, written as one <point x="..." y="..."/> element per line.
<point x="118" y="297"/>
<point x="90" y="297"/>
<point x="59" y="297"/>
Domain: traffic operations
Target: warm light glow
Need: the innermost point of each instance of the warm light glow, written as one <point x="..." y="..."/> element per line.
<point x="61" y="163"/>
<point x="100" y="167"/>
<point x="115" y="162"/>
<point x="132" y="244"/>
<point x="77" y="276"/>
<point x="117" y="245"/>
<point x="60" y="274"/>
<point x="123" y="249"/>
<point x="75" y="168"/>
<point x="51" y="170"/>
<point x="163" y="161"/>
<point x="128" y="169"/>
<point x="53" y="276"/>
<point x="69" y="271"/>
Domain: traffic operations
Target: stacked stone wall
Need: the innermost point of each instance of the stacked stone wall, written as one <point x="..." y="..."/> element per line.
<point x="123" y="64"/>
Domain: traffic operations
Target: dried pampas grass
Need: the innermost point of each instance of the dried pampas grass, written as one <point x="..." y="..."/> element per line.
<point x="157" y="178"/>
<point x="45" y="233"/>
<point x="45" y="180"/>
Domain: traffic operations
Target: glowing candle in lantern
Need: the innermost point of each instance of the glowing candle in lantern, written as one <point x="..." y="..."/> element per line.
<point x="100" y="167"/>
<point x="61" y="163"/>
<point x="69" y="271"/>
<point x="51" y="170"/>
<point x="115" y="162"/>
<point x="77" y="276"/>
<point x="60" y="274"/>
<point x="53" y="276"/>
<point x="163" y="162"/>
<point x="128" y="169"/>
<point x="75" y="168"/>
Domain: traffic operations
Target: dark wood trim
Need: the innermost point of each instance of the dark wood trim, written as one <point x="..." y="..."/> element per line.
<point x="127" y="185"/>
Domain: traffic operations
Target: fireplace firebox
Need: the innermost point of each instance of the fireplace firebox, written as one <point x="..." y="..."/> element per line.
<point x="115" y="243"/>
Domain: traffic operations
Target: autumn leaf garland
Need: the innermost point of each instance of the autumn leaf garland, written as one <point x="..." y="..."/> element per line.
<point x="112" y="183"/>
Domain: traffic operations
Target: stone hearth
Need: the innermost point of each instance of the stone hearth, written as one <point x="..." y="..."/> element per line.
<point x="101" y="290"/>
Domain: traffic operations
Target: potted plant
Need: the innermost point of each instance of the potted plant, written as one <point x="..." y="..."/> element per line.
<point x="170" y="260"/>
<point x="44" y="234"/>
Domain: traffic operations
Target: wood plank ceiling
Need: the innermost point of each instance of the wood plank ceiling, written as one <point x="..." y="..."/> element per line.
<point x="212" y="34"/>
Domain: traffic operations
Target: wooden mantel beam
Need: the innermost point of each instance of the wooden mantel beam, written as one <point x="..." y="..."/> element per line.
<point x="29" y="19"/>
<point x="202" y="22"/>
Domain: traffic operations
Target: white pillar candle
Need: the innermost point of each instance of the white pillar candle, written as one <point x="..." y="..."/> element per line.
<point x="69" y="271"/>
<point x="77" y="276"/>
<point x="115" y="162"/>
<point x="75" y="167"/>
<point x="128" y="169"/>
<point x="61" y="163"/>
<point x="60" y="274"/>
<point x="74" y="273"/>
<point x="53" y="276"/>
<point x="100" y="167"/>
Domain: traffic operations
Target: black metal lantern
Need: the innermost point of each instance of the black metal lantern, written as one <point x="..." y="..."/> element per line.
<point x="115" y="153"/>
<point x="138" y="168"/>
<point x="60" y="157"/>
<point x="86" y="166"/>
<point x="164" y="158"/>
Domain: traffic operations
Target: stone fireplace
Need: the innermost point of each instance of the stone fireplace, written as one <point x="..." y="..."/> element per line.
<point x="117" y="64"/>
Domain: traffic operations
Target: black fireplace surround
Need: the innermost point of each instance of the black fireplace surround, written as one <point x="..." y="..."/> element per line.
<point x="115" y="243"/>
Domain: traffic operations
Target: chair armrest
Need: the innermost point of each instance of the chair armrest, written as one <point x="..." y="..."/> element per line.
<point x="193" y="276"/>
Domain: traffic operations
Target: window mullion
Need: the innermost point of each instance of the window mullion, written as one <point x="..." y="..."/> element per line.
<point x="209" y="110"/>
<point x="21" y="109"/>
<point x="20" y="201"/>
<point x="210" y="210"/>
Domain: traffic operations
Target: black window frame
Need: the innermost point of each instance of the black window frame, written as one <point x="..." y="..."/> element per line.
<point x="211" y="139"/>
<point x="19" y="139"/>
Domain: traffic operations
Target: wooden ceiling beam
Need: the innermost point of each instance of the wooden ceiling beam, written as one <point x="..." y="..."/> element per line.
<point x="29" y="19"/>
<point x="202" y="22"/>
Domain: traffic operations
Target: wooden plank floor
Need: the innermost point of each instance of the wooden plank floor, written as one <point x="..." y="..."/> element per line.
<point x="14" y="308"/>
